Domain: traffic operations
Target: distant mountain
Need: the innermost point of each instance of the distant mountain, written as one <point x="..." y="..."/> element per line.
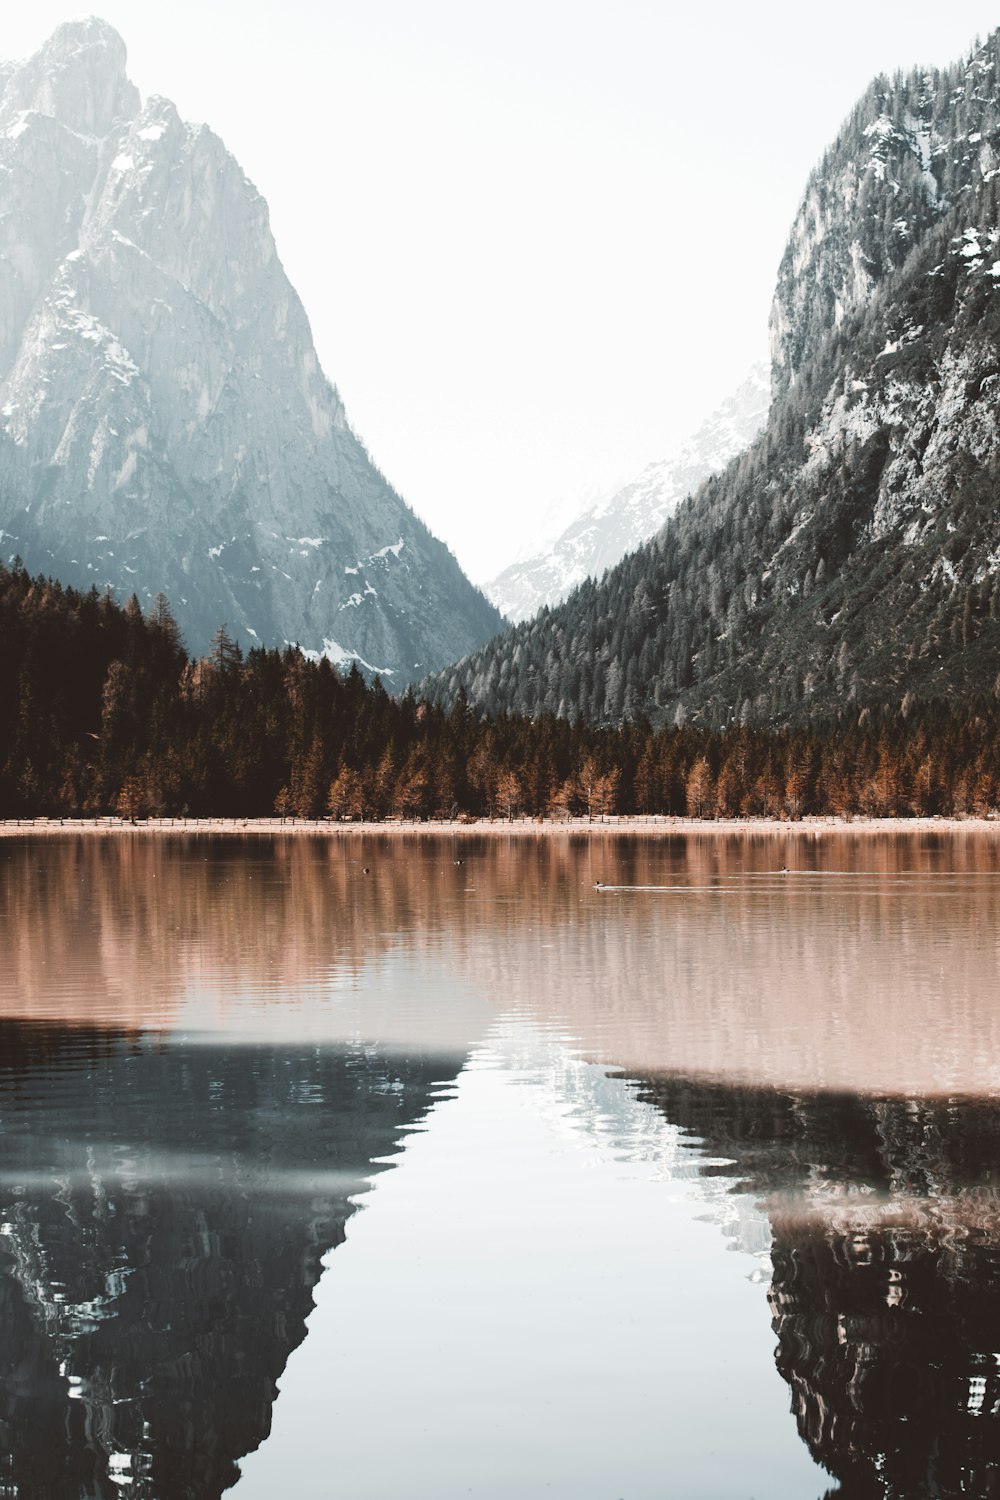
<point x="616" y="524"/>
<point x="165" y="422"/>
<point x="852" y="555"/>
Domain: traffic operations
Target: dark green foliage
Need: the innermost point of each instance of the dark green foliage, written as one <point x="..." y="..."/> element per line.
<point x="101" y="711"/>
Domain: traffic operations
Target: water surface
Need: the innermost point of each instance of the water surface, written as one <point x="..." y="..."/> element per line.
<point x="466" y="1176"/>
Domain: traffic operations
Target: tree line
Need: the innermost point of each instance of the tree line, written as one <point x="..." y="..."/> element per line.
<point x="103" y="712"/>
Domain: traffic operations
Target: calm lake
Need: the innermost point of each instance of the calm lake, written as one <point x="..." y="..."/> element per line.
<point x="413" y="1168"/>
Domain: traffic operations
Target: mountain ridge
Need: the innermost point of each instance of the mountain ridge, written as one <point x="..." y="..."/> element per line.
<point x="166" y="425"/>
<point x="613" y="525"/>
<point x="849" y="558"/>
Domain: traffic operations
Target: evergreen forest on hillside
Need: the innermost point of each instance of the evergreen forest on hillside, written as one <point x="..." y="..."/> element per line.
<point x="849" y="556"/>
<point x="771" y="597"/>
<point x="102" y="712"/>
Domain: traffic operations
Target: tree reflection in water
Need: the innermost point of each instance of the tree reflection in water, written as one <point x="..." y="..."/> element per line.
<point x="165" y="1210"/>
<point x="209" y="1048"/>
<point x="885" y="1296"/>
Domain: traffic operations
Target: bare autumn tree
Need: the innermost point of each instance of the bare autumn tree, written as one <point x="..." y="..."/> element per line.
<point x="412" y="788"/>
<point x="795" y="792"/>
<point x="604" y="800"/>
<point x="383" y="784"/>
<point x="925" y="792"/>
<point x="566" y="799"/>
<point x="508" y="794"/>
<point x="729" y="790"/>
<point x="130" y="802"/>
<point x="444" y="789"/>
<point x="307" y="781"/>
<point x="589" y="780"/>
<point x="482" y="774"/>
<point x="162" y="619"/>
<point x="226" y="653"/>
<point x="698" y="792"/>
<point x="346" y="797"/>
<point x="647" y="781"/>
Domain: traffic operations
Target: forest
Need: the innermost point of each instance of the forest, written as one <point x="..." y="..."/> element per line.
<point x="849" y="555"/>
<point x="102" y="712"/>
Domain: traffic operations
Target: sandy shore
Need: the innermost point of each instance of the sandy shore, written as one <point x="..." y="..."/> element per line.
<point x="495" y="827"/>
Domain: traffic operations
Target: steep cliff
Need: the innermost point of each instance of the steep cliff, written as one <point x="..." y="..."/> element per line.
<point x="851" y="556"/>
<point x="166" y="425"/>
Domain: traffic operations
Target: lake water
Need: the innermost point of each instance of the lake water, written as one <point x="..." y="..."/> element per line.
<point x="402" y="1167"/>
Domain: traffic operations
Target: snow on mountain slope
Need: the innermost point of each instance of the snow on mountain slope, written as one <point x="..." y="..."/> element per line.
<point x="617" y="524"/>
<point x="164" y="421"/>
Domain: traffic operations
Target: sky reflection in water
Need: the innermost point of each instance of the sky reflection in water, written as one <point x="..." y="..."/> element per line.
<point x="212" y="1050"/>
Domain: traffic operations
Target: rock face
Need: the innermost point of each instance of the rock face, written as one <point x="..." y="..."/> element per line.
<point x="909" y="151"/>
<point x="166" y="425"/>
<point x="850" y="558"/>
<point x="602" y="535"/>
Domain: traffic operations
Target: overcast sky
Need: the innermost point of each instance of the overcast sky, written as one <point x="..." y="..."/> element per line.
<point x="537" y="241"/>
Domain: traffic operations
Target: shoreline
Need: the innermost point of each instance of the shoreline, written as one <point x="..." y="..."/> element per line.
<point x="652" y="825"/>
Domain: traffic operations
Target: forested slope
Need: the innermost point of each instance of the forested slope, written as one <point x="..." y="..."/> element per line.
<point x="102" y="712"/>
<point x="851" y="556"/>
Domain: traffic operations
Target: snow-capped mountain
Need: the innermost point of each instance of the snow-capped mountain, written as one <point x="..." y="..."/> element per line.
<point x="616" y="524"/>
<point x="166" y="425"/>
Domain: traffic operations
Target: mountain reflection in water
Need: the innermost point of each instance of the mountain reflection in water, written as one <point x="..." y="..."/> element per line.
<point x="885" y="1293"/>
<point x="209" y="1048"/>
<point x="164" y="1214"/>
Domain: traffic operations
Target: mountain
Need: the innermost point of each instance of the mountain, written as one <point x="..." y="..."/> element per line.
<point x="851" y="556"/>
<point x="164" y="421"/>
<point x="615" y="524"/>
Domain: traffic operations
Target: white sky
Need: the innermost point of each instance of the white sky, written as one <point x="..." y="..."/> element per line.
<point x="537" y="241"/>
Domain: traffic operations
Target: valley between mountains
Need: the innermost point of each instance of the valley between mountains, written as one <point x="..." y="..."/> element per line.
<point x="214" y="600"/>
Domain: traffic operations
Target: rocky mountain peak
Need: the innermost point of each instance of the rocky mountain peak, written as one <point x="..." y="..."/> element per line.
<point x="165" y="424"/>
<point x="912" y="147"/>
<point x="86" y="39"/>
<point x="77" y="78"/>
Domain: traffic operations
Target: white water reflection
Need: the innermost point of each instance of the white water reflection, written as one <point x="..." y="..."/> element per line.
<point x="539" y="1301"/>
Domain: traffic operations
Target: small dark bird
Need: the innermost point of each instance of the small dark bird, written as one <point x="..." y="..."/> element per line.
<point x="365" y="870"/>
